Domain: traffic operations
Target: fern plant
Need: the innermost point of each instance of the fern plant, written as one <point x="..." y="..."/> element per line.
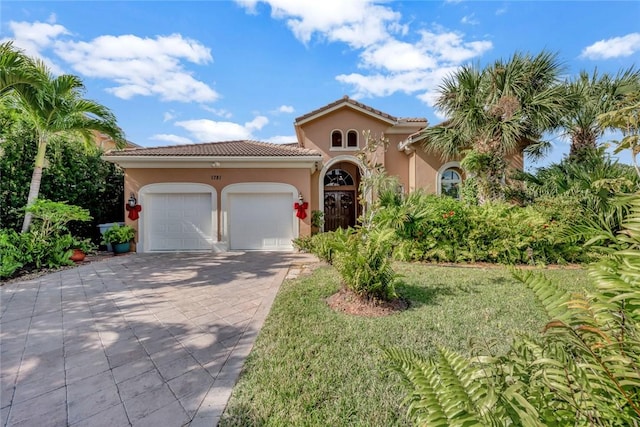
<point x="583" y="370"/>
<point x="365" y="265"/>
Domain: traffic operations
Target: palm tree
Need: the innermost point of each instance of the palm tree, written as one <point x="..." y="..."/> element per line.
<point x="591" y="96"/>
<point x="16" y="69"/>
<point x="55" y="107"/>
<point x="494" y="112"/>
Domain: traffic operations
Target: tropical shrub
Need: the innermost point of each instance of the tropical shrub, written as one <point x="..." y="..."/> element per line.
<point x="324" y="245"/>
<point x="433" y="228"/>
<point x="365" y="265"/>
<point x="48" y="244"/>
<point x="583" y="370"/>
<point x="12" y="254"/>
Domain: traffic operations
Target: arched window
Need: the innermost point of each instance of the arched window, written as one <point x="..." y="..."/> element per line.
<point x="352" y="139"/>
<point x="336" y="139"/>
<point x="337" y="177"/>
<point x="450" y="182"/>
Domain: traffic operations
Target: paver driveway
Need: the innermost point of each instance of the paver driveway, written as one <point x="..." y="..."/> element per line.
<point x="154" y="340"/>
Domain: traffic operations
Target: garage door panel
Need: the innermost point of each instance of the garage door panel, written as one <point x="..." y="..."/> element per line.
<point x="180" y="221"/>
<point x="260" y="221"/>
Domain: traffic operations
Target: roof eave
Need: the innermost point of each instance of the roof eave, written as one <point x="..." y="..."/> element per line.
<point x="218" y="162"/>
<point x="406" y="145"/>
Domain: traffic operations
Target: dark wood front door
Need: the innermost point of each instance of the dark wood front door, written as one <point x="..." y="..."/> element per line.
<point x="339" y="209"/>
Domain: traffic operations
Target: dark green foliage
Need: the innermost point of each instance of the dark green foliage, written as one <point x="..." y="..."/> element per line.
<point x="74" y="174"/>
<point x="118" y="234"/>
<point x="591" y="182"/>
<point x="12" y="253"/>
<point x="594" y="180"/>
<point x="583" y="370"/>
<point x="324" y="245"/>
<point x="362" y="258"/>
<point x="364" y="263"/>
<point x="48" y="244"/>
<point x="433" y="228"/>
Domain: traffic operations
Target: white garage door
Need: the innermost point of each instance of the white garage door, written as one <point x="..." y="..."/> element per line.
<point x="178" y="222"/>
<point x="260" y="221"/>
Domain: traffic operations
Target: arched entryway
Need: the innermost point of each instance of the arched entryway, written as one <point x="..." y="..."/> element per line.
<point x="339" y="182"/>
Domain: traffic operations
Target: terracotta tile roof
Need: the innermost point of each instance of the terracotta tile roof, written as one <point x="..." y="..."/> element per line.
<point x="346" y="99"/>
<point x="412" y="119"/>
<point x="221" y="149"/>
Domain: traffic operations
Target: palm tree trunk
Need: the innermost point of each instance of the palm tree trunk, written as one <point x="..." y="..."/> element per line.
<point x="36" y="179"/>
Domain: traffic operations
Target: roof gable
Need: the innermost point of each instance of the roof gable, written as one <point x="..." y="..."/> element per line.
<point x="349" y="103"/>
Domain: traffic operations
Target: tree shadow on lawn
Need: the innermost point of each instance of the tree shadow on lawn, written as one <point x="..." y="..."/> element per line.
<point x="418" y="296"/>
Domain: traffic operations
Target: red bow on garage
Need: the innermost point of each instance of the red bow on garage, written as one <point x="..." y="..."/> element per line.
<point x="301" y="209"/>
<point x="133" y="212"/>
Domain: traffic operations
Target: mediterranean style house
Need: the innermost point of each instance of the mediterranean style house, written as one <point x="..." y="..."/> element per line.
<point x="241" y="195"/>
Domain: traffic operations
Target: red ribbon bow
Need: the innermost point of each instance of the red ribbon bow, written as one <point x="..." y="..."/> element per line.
<point x="301" y="208"/>
<point x="133" y="212"/>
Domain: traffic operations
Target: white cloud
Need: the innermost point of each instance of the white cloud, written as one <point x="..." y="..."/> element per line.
<point x="391" y="59"/>
<point x="168" y="115"/>
<point x="256" y="124"/>
<point x="395" y="55"/>
<point x="422" y="83"/>
<point x="220" y="112"/>
<point x="450" y="48"/>
<point x="174" y="139"/>
<point x="416" y="68"/>
<point x="282" y="139"/>
<point x="355" y="22"/>
<point x="139" y="66"/>
<point x="35" y="37"/>
<point x="204" y="130"/>
<point x="32" y="37"/>
<point x="613" y="48"/>
<point x="285" y="109"/>
<point x="142" y="66"/>
<point x="469" y="19"/>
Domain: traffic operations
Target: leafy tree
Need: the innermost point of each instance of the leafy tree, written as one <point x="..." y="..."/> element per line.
<point x="594" y="179"/>
<point x="55" y="107"/>
<point x="73" y="174"/>
<point x="590" y="96"/>
<point x="494" y="112"/>
<point x="16" y="69"/>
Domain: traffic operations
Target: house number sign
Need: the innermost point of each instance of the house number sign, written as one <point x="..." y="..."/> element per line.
<point x="216" y="177"/>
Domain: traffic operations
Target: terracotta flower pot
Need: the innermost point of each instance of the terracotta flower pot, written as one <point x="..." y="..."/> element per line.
<point x="77" y="255"/>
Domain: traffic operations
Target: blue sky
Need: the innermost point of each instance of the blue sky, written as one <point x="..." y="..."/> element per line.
<point x="181" y="72"/>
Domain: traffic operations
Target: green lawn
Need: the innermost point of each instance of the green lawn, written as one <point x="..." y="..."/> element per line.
<point x="312" y="366"/>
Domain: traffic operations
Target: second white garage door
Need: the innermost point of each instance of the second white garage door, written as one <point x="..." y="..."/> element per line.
<point x="179" y="222"/>
<point x="260" y="221"/>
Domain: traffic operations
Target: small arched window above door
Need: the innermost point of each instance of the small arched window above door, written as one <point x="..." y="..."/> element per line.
<point x="336" y="139"/>
<point x="352" y="139"/>
<point x="338" y="177"/>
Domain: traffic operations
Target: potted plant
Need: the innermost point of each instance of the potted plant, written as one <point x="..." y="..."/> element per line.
<point x="317" y="221"/>
<point x="80" y="248"/>
<point x="119" y="237"/>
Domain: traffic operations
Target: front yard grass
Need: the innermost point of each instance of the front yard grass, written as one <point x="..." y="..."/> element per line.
<point x="313" y="366"/>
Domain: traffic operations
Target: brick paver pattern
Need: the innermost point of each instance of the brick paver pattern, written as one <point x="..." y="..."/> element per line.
<point x="139" y="340"/>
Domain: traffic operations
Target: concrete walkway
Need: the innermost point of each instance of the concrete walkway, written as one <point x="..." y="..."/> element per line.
<point x="142" y="340"/>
